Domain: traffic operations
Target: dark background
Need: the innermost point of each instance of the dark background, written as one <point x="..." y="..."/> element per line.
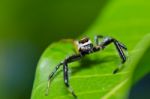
<point x="27" y="27"/>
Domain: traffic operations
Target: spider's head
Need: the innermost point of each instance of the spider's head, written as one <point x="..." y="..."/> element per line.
<point x="84" y="44"/>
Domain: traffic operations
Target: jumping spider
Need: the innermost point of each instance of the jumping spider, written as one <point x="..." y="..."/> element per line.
<point x="86" y="47"/>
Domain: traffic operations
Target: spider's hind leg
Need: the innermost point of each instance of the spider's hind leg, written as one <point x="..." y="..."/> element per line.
<point x="119" y="46"/>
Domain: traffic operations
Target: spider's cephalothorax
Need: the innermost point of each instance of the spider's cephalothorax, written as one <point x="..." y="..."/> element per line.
<point x="86" y="47"/>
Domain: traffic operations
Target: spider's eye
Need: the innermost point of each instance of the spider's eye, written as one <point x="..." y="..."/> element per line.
<point x="84" y="40"/>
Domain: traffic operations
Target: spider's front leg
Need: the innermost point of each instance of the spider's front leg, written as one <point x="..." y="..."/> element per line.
<point x="66" y="79"/>
<point x="51" y="76"/>
<point x="65" y="70"/>
<point x="119" y="46"/>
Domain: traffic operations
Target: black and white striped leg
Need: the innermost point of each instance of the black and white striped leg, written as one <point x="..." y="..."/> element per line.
<point x="66" y="79"/>
<point x="122" y="45"/>
<point x="121" y="54"/>
<point x="120" y="51"/>
<point x="69" y="59"/>
<point x="119" y="46"/>
<point x="51" y="75"/>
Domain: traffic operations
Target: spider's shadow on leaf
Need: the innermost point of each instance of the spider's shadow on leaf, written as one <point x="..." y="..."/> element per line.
<point x="87" y="63"/>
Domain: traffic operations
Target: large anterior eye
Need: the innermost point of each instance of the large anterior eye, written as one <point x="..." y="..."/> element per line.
<point x="84" y="40"/>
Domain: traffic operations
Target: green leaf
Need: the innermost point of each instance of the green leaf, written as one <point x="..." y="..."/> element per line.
<point x="92" y="77"/>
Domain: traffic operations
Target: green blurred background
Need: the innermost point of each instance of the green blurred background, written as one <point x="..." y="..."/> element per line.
<point x="27" y="27"/>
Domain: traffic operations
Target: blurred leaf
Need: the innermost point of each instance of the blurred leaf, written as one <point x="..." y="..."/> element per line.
<point x="92" y="77"/>
<point x="140" y="63"/>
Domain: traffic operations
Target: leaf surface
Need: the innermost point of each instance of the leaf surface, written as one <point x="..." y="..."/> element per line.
<point x="92" y="77"/>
